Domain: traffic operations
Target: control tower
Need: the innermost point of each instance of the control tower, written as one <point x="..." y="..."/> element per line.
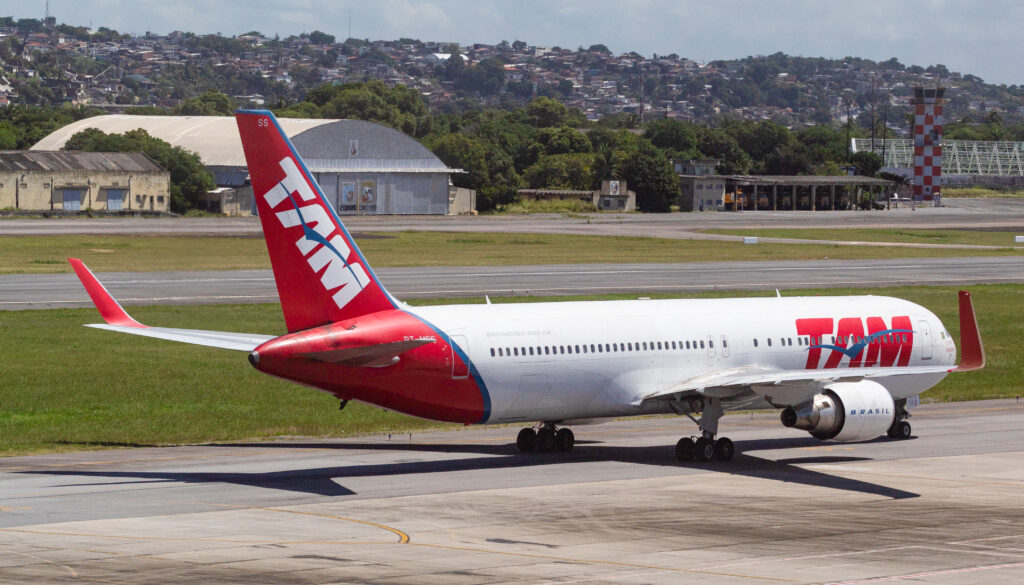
<point x="928" y="144"/>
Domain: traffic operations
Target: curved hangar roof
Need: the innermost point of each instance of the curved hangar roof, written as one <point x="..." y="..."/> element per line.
<point x="325" y="145"/>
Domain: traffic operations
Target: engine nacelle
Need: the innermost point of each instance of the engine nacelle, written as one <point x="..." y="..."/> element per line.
<point x="845" y="411"/>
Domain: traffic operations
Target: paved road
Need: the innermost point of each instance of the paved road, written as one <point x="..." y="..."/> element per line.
<point x="464" y="507"/>
<point x="967" y="213"/>
<point x="243" y="286"/>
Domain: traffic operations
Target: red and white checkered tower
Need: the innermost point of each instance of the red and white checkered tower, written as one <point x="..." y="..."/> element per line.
<point x="928" y="143"/>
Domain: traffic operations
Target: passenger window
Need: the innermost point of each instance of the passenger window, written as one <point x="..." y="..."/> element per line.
<point x="531" y="351"/>
<point x="492" y="352"/>
<point x="711" y="343"/>
<point x="702" y="344"/>
<point x="547" y="350"/>
<point x="725" y="343"/>
<point x="591" y="348"/>
<point x="517" y="351"/>
<point x="607" y="347"/>
<point x="687" y="345"/>
<point x="645" y="346"/>
<point x="673" y="345"/>
<point x="755" y="342"/>
<point x="561" y="349"/>
<point x="769" y="342"/>
<point x="659" y="345"/>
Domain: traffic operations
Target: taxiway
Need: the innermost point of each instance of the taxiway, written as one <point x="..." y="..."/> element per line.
<point x="464" y="507"/>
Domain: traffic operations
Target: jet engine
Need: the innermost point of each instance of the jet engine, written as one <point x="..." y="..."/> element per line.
<point x="845" y="411"/>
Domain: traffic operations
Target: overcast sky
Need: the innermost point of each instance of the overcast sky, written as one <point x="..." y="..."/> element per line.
<point x="984" y="38"/>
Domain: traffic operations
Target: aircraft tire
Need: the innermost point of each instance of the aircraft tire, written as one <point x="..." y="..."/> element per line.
<point x="564" y="440"/>
<point x="724" y="449"/>
<point x="546" y="440"/>
<point x="685" y="449"/>
<point x="526" y="441"/>
<point x="903" y="430"/>
<point x="705" y="450"/>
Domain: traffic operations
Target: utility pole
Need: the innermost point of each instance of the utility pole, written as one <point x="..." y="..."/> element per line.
<point x="848" y="122"/>
<point x="873" y="96"/>
<point x="885" y="127"/>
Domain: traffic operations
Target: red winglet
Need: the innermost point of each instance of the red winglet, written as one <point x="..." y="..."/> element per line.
<point x="110" y="310"/>
<point x="972" y="353"/>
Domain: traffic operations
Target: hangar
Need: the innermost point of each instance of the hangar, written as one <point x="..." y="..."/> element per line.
<point x="121" y="182"/>
<point x="364" y="168"/>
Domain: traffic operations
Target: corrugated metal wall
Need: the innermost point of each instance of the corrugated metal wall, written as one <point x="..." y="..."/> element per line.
<point x="386" y="193"/>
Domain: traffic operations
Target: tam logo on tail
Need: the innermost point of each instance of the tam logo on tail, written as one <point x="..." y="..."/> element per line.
<point x="320" y="273"/>
<point x="321" y="243"/>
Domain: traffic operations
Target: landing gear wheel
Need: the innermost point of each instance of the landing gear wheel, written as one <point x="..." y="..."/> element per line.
<point x="685" y="449"/>
<point x="903" y="430"/>
<point x="527" y="440"/>
<point x="546" y="440"/>
<point x="891" y="433"/>
<point x="564" y="440"/>
<point x="724" y="449"/>
<point x="705" y="450"/>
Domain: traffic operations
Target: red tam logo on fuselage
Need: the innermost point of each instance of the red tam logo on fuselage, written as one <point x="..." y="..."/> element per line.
<point x="885" y="346"/>
<point x="322" y="244"/>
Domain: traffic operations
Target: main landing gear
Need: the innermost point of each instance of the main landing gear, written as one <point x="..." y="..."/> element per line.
<point x="900" y="428"/>
<point x="547" y="439"/>
<point x="706" y="448"/>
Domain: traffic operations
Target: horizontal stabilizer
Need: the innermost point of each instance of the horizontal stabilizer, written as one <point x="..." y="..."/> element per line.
<point x="221" y="339"/>
<point x="377" y="355"/>
<point x="117" y="319"/>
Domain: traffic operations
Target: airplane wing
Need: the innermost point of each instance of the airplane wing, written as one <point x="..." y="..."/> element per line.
<point x="794" y="386"/>
<point x="117" y="319"/>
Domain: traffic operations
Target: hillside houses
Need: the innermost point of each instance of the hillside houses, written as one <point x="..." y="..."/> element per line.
<point x="118" y="71"/>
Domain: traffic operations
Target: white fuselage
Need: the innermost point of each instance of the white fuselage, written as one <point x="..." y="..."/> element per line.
<point x="583" y="360"/>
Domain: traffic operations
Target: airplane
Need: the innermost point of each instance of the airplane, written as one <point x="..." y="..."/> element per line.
<point x="843" y="368"/>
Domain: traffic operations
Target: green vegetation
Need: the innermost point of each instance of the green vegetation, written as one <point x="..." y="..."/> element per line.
<point x="189" y="178"/>
<point x="979" y="192"/>
<point x="567" y="206"/>
<point x="66" y="387"/>
<point x="902" y="235"/>
<point x="46" y="254"/>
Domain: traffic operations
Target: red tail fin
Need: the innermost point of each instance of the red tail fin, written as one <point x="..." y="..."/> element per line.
<point x="321" y="275"/>
<point x="972" y="352"/>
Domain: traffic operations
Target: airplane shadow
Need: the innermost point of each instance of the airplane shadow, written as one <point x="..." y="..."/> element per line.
<point x="328" y="481"/>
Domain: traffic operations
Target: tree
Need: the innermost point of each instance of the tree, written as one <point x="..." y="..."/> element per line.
<point x="320" y="38"/>
<point x="561" y="171"/>
<point x="545" y="112"/>
<point x="648" y="172"/>
<point x="867" y="163"/>
<point x="488" y="170"/>
<point x="211" y="103"/>
<point x="674" y="135"/>
<point x="189" y="178"/>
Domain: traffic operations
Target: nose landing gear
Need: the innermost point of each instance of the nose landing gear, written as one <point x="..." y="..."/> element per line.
<point x="900" y="428"/>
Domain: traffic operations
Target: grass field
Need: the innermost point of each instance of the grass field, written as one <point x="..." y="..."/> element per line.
<point x="979" y="192"/>
<point x="68" y="387"/>
<point x="47" y="254"/>
<point x="901" y="235"/>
